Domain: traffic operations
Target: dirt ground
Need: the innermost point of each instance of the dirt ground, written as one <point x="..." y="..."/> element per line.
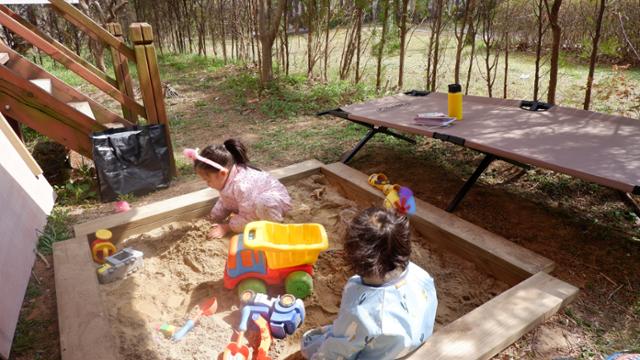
<point x="592" y="252"/>
<point x="182" y="267"/>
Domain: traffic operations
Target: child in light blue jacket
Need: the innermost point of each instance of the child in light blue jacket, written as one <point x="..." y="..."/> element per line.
<point x="388" y="309"/>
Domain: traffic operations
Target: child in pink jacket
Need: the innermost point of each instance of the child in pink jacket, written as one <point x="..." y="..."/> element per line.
<point x="246" y="194"/>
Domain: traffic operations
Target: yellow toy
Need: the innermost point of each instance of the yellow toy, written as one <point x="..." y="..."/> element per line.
<point x="399" y="198"/>
<point x="272" y="253"/>
<point x="101" y="247"/>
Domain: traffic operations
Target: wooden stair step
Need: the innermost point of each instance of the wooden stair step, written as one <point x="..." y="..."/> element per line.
<point x="113" y="125"/>
<point x="44" y="84"/>
<point x="83" y="107"/>
<point x="4" y="58"/>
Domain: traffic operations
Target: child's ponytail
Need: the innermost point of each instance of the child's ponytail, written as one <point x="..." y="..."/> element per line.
<point x="238" y="151"/>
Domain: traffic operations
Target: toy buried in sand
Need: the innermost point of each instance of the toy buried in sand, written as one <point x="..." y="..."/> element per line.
<point x="277" y="317"/>
<point x="283" y="313"/>
<point x="399" y="198"/>
<point x="119" y="265"/>
<point x="272" y="253"/>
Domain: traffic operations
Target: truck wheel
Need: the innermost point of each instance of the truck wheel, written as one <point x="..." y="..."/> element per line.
<point x="255" y="285"/>
<point x="299" y="284"/>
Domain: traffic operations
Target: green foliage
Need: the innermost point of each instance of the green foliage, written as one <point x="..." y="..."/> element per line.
<point x="127" y="197"/>
<point x="31" y="136"/>
<point x="74" y="193"/>
<point x="26" y="336"/>
<point x="607" y="47"/>
<point x="392" y="42"/>
<point x="190" y="61"/>
<point x="57" y="229"/>
<point x="291" y="95"/>
<point x="184" y="167"/>
<point x="80" y="189"/>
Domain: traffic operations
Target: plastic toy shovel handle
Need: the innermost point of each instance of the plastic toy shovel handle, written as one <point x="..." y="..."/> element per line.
<point x="184" y="330"/>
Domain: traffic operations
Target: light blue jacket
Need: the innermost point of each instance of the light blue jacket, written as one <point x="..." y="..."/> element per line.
<point x="378" y="322"/>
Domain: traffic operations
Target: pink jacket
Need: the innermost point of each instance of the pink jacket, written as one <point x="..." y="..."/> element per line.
<point x="251" y="195"/>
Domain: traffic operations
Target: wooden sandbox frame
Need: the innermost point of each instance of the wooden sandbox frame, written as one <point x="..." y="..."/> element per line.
<point x="535" y="295"/>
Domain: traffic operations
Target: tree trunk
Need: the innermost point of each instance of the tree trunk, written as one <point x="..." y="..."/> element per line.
<point x="460" y="38"/>
<point x="385" y="20"/>
<point x="268" y="22"/>
<point x="223" y="37"/>
<point x="473" y="30"/>
<point x="311" y="16"/>
<point x="285" y="26"/>
<point x="436" y="45"/>
<point x="506" y="53"/>
<point x="326" y="40"/>
<point x="556" y="31"/>
<point x="541" y="31"/>
<point x="360" y="13"/>
<point x="403" y="36"/>
<point x="594" y="54"/>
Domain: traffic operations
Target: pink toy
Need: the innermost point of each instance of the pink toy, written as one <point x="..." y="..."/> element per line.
<point x="193" y="155"/>
<point x="122" y="206"/>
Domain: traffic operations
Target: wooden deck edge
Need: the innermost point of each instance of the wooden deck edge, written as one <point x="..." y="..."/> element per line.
<point x="85" y="332"/>
<point x="496" y="255"/>
<point x="490" y="328"/>
<point x="188" y="206"/>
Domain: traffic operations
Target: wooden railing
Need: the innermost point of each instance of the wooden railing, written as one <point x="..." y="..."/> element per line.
<point x="142" y="54"/>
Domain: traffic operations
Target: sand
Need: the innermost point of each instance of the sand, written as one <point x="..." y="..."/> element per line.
<point x="182" y="267"/>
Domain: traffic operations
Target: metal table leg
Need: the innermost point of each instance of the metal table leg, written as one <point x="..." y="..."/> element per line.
<point x="488" y="159"/>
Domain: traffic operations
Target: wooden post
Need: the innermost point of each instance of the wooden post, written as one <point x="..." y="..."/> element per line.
<point x="141" y="35"/>
<point x="121" y="69"/>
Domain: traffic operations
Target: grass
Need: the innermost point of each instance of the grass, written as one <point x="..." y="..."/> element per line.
<point x="291" y="95"/>
<point x="57" y="229"/>
<point x="28" y="334"/>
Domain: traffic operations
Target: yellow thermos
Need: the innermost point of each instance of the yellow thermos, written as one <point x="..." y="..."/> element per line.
<point x="455" y="101"/>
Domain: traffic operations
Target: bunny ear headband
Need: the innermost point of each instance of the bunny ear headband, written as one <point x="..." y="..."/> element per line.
<point x="193" y="155"/>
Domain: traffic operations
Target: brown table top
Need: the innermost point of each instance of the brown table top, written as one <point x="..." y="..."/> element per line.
<point x="601" y="148"/>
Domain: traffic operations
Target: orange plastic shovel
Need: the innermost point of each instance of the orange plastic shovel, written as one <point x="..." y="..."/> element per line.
<point x="237" y="350"/>
<point x="207" y="308"/>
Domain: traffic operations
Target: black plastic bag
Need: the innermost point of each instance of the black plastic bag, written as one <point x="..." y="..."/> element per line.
<point x="131" y="160"/>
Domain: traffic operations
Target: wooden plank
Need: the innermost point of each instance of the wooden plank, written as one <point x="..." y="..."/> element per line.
<point x="141" y="33"/>
<point x="85" y="332"/>
<point x="63" y="92"/>
<point x="188" y="206"/>
<point x="89" y="26"/>
<point x="158" y="99"/>
<point x="490" y="328"/>
<point x="121" y="69"/>
<point x="69" y="63"/>
<point x="58" y="45"/>
<point x="496" y="255"/>
<point x="27" y="103"/>
<point x="28" y="200"/>
<point x="5" y="129"/>
<point x="4" y="58"/>
<point x="145" y="84"/>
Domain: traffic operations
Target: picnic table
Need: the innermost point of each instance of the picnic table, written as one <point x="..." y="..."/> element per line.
<point x="596" y="147"/>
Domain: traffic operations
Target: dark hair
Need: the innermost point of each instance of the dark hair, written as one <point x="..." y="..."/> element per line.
<point x="377" y="242"/>
<point x="231" y="152"/>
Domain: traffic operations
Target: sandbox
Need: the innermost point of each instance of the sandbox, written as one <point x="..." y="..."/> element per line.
<point x="490" y="290"/>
